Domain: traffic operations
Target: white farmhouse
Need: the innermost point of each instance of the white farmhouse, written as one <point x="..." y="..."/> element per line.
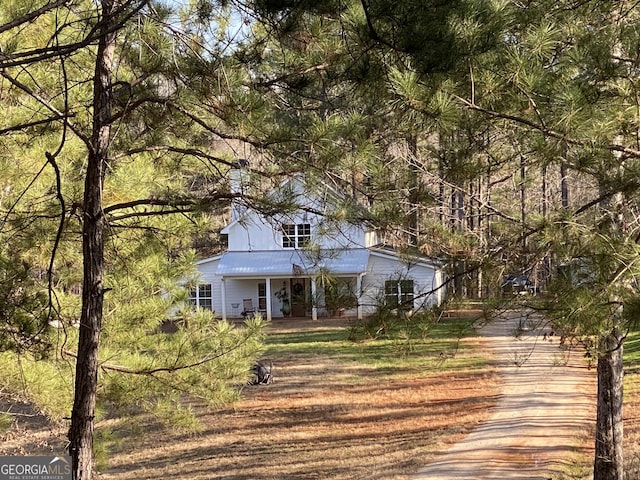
<point x="304" y="265"/>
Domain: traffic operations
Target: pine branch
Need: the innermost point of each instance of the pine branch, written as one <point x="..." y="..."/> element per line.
<point x="180" y="206"/>
<point x="49" y="106"/>
<point x="630" y="152"/>
<point x="36" y="55"/>
<point x="211" y="129"/>
<point x="282" y="78"/>
<point x="155" y="213"/>
<point x="373" y="33"/>
<point x="36" y="123"/>
<point x="147" y="202"/>
<point x="196" y="152"/>
<point x="169" y="369"/>
<point x="56" y="244"/>
<point x="31" y="16"/>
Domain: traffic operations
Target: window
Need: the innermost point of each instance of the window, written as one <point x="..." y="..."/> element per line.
<point x="262" y="297"/>
<point x="201" y="296"/>
<point x="288" y="236"/>
<point x="296" y="236"/>
<point x="399" y="294"/>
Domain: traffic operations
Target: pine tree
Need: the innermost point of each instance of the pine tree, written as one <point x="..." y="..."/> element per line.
<point x="102" y="151"/>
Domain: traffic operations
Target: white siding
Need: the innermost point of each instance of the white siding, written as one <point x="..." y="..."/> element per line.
<point x="383" y="267"/>
<point x="208" y="275"/>
<point x="254" y="233"/>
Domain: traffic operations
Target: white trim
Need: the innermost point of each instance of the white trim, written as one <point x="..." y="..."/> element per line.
<point x="269" y="316"/>
<point x="314" y="306"/>
<point x="413" y="259"/>
<point x="209" y="259"/>
<point x="224" y="299"/>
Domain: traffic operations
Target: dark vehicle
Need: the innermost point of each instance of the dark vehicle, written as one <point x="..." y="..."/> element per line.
<point x="518" y="284"/>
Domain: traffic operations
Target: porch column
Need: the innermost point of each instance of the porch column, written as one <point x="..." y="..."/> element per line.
<point x="359" y="295"/>
<point x="268" y="282"/>
<point x="223" y="291"/>
<point x="314" y="303"/>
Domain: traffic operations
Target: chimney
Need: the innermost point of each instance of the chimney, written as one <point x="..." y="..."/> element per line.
<point x="238" y="180"/>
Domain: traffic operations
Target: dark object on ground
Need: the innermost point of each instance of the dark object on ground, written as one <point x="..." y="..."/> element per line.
<point x="263" y="371"/>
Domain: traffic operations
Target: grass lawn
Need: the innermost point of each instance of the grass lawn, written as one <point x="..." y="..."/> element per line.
<point x="632" y="405"/>
<point x="632" y="351"/>
<point x="338" y="409"/>
<point x="439" y="347"/>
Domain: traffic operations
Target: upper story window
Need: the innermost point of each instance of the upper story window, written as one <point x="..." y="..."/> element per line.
<point x="296" y="235"/>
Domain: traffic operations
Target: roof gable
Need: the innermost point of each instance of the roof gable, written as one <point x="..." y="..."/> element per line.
<point x="316" y="198"/>
<point x="305" y="206"/>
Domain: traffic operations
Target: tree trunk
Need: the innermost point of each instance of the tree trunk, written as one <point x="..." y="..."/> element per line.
<point x="609" y="459"/>
<point x="441" y="185"/>
<point x="608" y="464"/>
<point x="412" y="227"/>
<point x="544" y="208"/>
<point x="564" y="185"/>
<point x="523" y="201"/>
<point x="82" y="416"/>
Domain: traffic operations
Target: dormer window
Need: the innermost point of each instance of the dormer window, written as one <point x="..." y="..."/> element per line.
<point x="296" y="235"/>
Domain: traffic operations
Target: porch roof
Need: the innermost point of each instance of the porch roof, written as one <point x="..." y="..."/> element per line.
<point x="293" y="263"/>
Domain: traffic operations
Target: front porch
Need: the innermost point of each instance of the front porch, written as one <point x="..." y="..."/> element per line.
<point x="286" y="297"/>
<point x="283" y="283"/>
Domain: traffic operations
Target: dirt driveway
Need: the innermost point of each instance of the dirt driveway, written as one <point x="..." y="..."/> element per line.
<point x="546" y="407"/>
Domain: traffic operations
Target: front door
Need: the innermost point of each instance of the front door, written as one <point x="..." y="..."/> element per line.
<point x="298" y="297"/>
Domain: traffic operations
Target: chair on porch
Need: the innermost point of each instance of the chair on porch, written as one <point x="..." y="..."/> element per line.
<point x="247" y="307"/>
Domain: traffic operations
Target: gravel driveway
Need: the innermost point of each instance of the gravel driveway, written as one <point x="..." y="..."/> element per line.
<point x="546" y="409"/>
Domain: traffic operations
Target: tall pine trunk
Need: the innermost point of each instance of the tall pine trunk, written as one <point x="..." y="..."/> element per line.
<point x="523" y="203"/>
<point x="82" y="416"/>
<point x="609" y="460"/>
<point x="608" y="463"/>
<point x="564" y="184"/>
<point x="414" y="172"/>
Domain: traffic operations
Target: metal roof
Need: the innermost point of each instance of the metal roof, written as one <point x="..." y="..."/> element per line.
<point x="293" y="262"/>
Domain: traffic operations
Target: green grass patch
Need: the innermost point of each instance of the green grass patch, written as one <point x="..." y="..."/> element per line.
<point x="404" y="349"/>
<point x="48" y="385"/>
<point x="632" y="363"/>
<point x="6" y="421"/>
<point x="632" y="350"/>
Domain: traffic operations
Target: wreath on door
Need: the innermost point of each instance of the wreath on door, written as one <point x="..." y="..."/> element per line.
<point x="298" y="289"/>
